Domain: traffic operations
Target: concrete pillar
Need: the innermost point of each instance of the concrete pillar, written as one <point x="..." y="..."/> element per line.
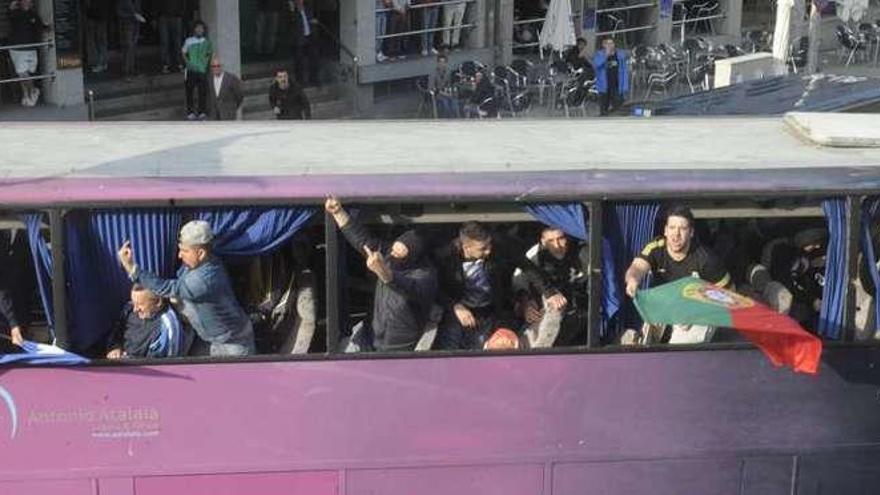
<point x="503" y="27"/>
<point x="66" y="89"/>
<point x="731" y="25"/>
<point x="589" y="23"/>
<point x="476" y="14"/>
<point x="662" y="18"/>
<point x="357" y="31"/>
<point x="224" y="30"/>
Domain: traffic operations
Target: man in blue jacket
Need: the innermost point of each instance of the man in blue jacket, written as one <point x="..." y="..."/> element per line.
<point x="612" y="77"/>
<point x="202" y="291"/>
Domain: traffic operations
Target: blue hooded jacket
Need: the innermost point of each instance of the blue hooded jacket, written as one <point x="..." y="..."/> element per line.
<point x="599" y="60"/>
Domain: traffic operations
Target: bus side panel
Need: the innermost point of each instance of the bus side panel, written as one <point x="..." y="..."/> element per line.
<point x="47" y="487"/>
<point x="767" y="475"/>
<point x="510" y="479"/>
<point x="312" y="483"/>
<point x="850" y="472"/>
<point x="660" y="477"/>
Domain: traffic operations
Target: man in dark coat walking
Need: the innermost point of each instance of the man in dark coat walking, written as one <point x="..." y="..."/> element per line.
<point x="287" y="98"/>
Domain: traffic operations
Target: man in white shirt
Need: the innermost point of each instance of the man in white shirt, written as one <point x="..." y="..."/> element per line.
<point x="225" y="92"/>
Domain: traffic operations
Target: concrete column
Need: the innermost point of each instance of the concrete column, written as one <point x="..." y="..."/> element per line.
<point x="731" y="25"/>
<point x="476" y="14"/>
<point x="503" y="26"/>
<point x="661" y="16"/>
<point x="224" y="30"/>
<point x="66" y="89"/>
<point x="589" y="23"/>
<point x="357" y="31"/>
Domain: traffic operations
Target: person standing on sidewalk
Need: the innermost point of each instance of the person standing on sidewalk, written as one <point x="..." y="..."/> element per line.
<point x="26" y="29"/>
<point x="170" y="33"/>
<point x="97" y="15"/>
<point x="197" y="53"/>
<point x="129" y="14"/>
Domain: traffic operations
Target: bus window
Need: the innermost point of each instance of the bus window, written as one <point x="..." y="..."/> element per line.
<point x="221" y="281"/>
<point x="774" y="253"/>
<point x="868" y="272"/>
<point x="21" y="313"/>
<point x="472" y="277"/>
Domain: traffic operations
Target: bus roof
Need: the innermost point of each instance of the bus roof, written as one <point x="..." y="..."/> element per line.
<point x="79" y="163"/>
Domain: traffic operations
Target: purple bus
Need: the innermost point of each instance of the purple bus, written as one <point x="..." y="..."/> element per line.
<point x="598" y="417"/>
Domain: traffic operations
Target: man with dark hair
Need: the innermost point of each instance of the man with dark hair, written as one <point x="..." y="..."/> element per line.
<point x="202" y="290"/>
<point x="406" y="281"/>
<point x="148" y="327"/>
<point x="612" y="77"/>
<point x="197" y="53"/>
<point x="564" y="265"/>
<point x="673" y="256"/>
<point x="475" y="287"/>
<point x="305" y="51"/>
<point x="287" y="98"/>
<point x="440" y="82"/>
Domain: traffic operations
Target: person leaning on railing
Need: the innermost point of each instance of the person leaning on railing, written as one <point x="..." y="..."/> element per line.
<point x="27" y="28"/>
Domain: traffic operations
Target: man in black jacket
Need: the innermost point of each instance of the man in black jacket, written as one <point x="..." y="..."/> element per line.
<point x="406" y="285"/>
<point x="148" y="327"/>
<point x="305" y="53"/>
<point x="565" y="265"/>
<point x="287" y="98"/>
<point x="170" y="15"/>
<point x="475" y="287"/>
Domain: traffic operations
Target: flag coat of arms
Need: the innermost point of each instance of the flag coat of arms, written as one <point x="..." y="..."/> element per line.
<point x="691" y="301"/>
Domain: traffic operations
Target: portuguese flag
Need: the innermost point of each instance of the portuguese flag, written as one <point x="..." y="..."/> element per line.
<point x="691" y="301"/>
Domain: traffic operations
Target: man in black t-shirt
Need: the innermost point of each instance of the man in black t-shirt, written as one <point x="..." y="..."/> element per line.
<point x="673" y="256"/>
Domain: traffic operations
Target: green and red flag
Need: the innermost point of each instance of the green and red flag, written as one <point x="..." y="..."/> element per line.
<point x="691" y="301"/>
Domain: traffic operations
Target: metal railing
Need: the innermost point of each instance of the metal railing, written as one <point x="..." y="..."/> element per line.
<point x="538" y="20"/>
<point x="91" y="102"/>
<point x="438" y="3"/>
<point x="25" y="46"/>
<point x="461" y="26"/>
<point x="355" y="65"/>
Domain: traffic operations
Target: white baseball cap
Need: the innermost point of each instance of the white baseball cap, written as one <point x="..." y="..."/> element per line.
<point x="196" y="233"/>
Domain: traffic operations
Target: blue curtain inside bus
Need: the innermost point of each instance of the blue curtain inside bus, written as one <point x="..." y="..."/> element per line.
<point x="253" y="231"/>
<point x="570" y="218"/>
<point x="628" y="227"/>
<point x="99" y="285"/>
<point x="870" y="210"/>
<point x="42" y="257"/>
<point x="831" y="314"/>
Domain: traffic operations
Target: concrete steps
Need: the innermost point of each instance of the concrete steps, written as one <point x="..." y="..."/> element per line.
<point x="161" y="97"/>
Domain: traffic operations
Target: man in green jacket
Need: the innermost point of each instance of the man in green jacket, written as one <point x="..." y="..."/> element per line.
<point x="197" y="52"/>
